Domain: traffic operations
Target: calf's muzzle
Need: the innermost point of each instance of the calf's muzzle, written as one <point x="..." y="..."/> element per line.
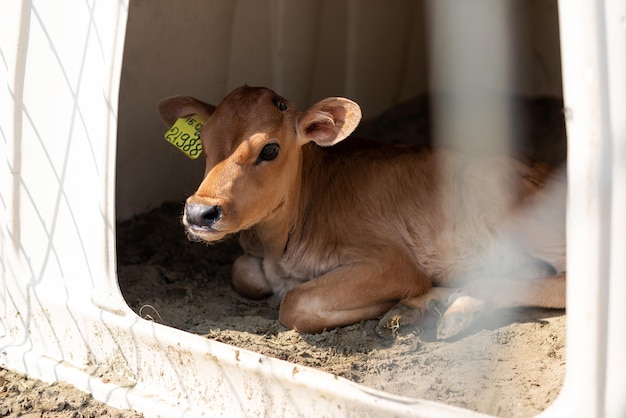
<point x="199" y="214"/>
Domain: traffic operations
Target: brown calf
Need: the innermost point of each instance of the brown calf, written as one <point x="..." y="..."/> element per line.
<point x="356" y="231"/>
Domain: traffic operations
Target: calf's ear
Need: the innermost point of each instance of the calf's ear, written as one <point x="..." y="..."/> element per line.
<point x="329" y="121"/>
<point x="177" y="107"/>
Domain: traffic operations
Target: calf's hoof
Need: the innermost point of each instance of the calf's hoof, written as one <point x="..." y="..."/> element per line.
<point x="462" y="314"/>
<point x="398" y="316"/>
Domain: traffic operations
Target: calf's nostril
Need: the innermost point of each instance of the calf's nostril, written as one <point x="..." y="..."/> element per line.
<point x="211" y="214"/>
<point x="203" y="215"/>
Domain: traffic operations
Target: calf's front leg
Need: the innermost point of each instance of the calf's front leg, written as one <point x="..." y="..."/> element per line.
<point x="350" y="294"/>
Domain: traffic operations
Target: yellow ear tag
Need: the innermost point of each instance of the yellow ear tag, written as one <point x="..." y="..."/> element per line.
<point x="185" y="135"/>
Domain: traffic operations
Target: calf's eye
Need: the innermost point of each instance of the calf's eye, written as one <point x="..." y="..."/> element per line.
<point x="280" y="103"/>
<point x="268" y="153"/>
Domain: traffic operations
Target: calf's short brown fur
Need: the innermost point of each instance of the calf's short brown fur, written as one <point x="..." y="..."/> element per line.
<point x="356" y="231"/>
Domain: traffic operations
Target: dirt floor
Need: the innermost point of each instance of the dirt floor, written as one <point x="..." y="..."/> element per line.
<point x="23" y="397"/>
<point x="513" y="366"/>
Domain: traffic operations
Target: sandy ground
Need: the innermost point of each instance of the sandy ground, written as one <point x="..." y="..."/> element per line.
<point x="21" y="396"/>
<point x="511" y="366"/>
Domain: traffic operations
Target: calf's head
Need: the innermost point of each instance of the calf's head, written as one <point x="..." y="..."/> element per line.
<point x="252" y="144"/>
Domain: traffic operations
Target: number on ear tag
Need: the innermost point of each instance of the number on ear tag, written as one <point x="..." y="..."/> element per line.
<point x="185" y="135"/>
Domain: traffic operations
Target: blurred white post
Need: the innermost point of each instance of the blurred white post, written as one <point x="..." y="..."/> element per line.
<point x="469" y="47"/>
